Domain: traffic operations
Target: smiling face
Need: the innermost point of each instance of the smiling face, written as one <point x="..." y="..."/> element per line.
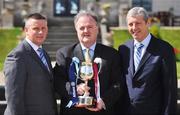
<point x="87" y="30"/>
<point x="138" y="27"/>
<point x="36" y="30"/>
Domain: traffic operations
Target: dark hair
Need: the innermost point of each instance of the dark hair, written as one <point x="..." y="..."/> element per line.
<point x="37" y="16"/>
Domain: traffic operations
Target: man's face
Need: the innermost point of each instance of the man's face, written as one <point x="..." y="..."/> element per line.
<point x="36" y="31"/>
<point x="87" y="30"/>
<point x="138" y="27"/>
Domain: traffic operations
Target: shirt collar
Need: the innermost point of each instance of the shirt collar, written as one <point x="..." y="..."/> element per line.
<point x="91" y="48"/>
<point x="145" y="42"/>
<point x="34" y="46"/>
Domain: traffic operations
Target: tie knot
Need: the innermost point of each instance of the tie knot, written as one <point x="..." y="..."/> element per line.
<point x="40" y="50"/>
<point x="87" y="49"/>
<point x="139" y="45"/>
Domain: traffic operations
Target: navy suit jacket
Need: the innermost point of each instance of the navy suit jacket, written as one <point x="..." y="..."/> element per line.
<point x="152" y="89"/>
<point x="29" y="85"/>
<point x="108" y="76"/>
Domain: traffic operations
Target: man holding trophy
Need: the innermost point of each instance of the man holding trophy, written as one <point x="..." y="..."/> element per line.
<point x="87" y="74"/>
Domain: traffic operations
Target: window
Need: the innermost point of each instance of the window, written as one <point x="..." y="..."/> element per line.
<point x="147" y="4"/>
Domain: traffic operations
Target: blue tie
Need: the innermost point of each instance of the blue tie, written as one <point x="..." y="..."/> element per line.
<point x="42" y="57"/>
<point x="137" y="55"/>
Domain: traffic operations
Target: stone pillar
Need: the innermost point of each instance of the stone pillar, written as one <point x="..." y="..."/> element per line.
<point x="123" y="9"/>
<point x="7" y="18"/>
<point x="106" y="36"/>
<point x="7" y="14"/>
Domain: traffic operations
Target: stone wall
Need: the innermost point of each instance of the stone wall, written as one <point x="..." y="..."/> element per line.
<point x="1" y="78"/>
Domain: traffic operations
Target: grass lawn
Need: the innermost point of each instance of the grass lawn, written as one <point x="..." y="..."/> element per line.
<point x="8" y="40"/>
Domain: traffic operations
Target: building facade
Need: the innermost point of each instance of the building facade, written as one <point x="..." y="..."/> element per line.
<point x="117" y="9"/>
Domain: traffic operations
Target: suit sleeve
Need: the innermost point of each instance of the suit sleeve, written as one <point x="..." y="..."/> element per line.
<point x="60" y="75"/>
<point x="111" y="96"/>
<point x="15" y="75"/>
<point x="170" y="83"/>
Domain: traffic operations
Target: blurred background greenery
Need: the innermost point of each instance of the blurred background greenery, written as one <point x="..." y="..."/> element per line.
<point x="8" y="40"/>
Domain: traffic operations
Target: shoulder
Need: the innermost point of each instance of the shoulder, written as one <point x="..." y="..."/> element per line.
<point x="162" y="44"/>
<point x="67" y="50"/>
<point x="105" y="48"/>
<point x="17" y="55"/>
<point x="18" y="51"/>
<point x="127" y="45"/>
<point x="106" y="51"/>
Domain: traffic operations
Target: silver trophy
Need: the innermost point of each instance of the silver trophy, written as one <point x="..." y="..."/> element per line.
<point x="86" y="74"/>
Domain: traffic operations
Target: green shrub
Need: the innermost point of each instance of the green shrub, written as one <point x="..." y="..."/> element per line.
<point x="155" y="30"/>
<point x="120" y="37"/>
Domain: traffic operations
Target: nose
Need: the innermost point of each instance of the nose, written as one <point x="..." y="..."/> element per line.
<point x="40" y="31"/>
<point x="85" y="29"/>
<point x="134" y="26"/>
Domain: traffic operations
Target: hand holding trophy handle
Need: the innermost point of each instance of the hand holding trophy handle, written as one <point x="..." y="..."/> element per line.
<point x="86" y="89"/>
<point x="82" y="89"/>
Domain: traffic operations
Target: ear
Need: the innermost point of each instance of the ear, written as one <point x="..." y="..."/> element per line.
<point x="149" y="21"/>
<point x="25" y="29"/>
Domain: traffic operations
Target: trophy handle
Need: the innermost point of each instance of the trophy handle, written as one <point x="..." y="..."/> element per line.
<point x="86" y="92"/>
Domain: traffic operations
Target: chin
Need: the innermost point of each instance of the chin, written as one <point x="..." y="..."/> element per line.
<point x="86" y="40"/>
<point x="134" y="36"/>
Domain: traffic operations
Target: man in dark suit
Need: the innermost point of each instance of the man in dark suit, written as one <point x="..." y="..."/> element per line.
<point x="28" y="73"/>
<point x="108" y="87"/>
<point x="152" y="82"/>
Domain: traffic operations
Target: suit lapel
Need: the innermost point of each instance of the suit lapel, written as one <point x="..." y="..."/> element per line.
<point x="78" y="53"/>
<point x="143" y="60"/>
<point x="34" y="55"/>
<point x="48" y="62"/>
<point x="132" y="57"/>
<point x="147" y="54"/>
<point x="97" y="51"/>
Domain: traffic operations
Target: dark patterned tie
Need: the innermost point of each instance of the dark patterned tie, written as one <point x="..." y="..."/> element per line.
<point x="42" y="57"/>
<point x="137" y="55"/>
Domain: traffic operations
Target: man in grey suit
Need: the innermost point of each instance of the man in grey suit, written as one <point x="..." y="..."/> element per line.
<point x="149" y="69"/>
<point x="28" y="73"/>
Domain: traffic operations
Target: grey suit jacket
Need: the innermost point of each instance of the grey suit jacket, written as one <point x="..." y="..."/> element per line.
<point x="29" y="85"/>
<point x="152" y="89"/>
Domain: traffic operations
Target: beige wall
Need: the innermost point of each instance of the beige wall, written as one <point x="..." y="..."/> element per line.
<point x="165" y="5"/>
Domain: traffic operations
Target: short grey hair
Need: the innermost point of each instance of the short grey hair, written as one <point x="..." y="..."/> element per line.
<point x="85" y="13"/>
<point x="138" y="11"/>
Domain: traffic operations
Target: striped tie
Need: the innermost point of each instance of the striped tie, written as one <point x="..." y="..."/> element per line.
<point x="42" y="57"/>
<point x="87" y="55"/>
<point x="137" y="55"/>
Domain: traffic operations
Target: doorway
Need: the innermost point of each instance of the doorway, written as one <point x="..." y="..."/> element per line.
<point x="66" y="7"/>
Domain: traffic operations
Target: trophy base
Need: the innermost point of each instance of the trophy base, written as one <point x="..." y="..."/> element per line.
<point x="85" y="101"/>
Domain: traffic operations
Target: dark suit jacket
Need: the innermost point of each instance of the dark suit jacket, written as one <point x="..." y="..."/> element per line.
<point x="152" y="89"/>
<point x="109" y="76"/>
<point x="29" y="85"/>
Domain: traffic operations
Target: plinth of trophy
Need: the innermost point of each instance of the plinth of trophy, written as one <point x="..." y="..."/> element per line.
<point x="85" y="100"/>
